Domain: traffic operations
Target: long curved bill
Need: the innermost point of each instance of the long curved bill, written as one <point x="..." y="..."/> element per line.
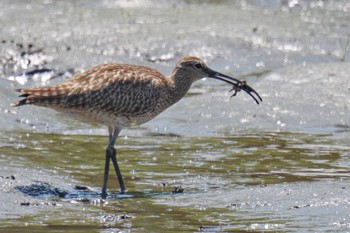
<point x="237" y="85"/>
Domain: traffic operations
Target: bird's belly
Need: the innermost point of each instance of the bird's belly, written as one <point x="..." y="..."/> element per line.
<point x="109" y="119"/>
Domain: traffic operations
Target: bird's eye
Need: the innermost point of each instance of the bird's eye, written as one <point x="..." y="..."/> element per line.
<point x="198" y="66"/>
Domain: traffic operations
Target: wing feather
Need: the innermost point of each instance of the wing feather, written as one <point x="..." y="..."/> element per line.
<point x="123" y="89"/>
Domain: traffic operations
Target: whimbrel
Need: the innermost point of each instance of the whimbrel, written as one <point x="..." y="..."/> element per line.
<point x="120" y="95"/>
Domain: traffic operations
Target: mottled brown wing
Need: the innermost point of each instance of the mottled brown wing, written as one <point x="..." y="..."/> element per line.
<point x="124" y="92"/>
<point x="123" y="89"/>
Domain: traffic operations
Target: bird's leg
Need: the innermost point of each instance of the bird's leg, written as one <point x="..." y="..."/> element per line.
<point x="111" y="154"/>
<point x="117" y="171"/>
<point x="108" y="159"/>
<point x="105" y="177"/>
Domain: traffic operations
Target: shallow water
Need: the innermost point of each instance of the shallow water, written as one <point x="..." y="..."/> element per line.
<point x="281" y="166"/>
<point x="256" y="181"/>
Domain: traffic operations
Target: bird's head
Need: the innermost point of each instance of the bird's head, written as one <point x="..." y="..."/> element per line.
<point x="192" y="68"/>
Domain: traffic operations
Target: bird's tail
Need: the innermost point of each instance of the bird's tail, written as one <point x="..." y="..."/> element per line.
<point x="22" y="101"/>
<point x="40" y="96"/>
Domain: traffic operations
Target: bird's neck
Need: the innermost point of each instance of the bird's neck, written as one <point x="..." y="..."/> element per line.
<point x="179" y="87"/>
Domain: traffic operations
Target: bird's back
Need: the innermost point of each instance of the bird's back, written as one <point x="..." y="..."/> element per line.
<point x="105" y="94"/>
